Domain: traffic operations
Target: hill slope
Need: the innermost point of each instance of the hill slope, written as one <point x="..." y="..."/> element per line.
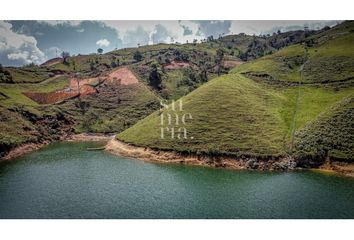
<point x="230" y="114"/>
<point x="323" y="57"/>
<point x="269" y="107"/>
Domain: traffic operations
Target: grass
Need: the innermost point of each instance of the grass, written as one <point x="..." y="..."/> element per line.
<point x="114" y="109"/>
<point x="14" y="91"/>
<point x="329" y="59"/>
<point x="221" y="124"/>
<point x="313" y="101"/>
<point x="171" y="82"/>
<point x="29" y="74"/>
<point x="82" y="63"/>
<point x="248" y="112"/>
<point x="245" y="113"/>
<point x="14" y="129"/>
<point x="236" y="115"/>
<point x="330" y="134"/>
<point x="283" y="65"/>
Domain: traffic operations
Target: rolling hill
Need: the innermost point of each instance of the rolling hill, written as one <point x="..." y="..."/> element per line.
<point x="281" y="90"/>
<point x="296" y="102"/>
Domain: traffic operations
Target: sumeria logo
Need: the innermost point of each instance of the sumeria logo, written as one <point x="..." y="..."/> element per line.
<point x="173" y="121"/>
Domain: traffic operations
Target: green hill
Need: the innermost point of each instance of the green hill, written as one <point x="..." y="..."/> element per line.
<point x="331" y="134"/>
<point x="231" y="114"/>
<point x="281" y="86"/>
<point x="270" y="107"/>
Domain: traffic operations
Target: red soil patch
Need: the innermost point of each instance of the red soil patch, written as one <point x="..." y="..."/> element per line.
<point x="83" y="87"/>
<point x="53" y="97"/>
<point x="87" y="90"/>
<point x="74" y="84"/>
<point x="232" y="63"/>
<point x="124" y="75"/>
<point x="50" y="98"/>
<point x="176" y="65"/>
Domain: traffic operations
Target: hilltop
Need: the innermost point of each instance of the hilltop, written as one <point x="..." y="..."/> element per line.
<point x="296" y="102"/>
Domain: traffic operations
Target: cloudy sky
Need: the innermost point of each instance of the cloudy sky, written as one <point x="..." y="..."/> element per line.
<point x="24" y="42"/>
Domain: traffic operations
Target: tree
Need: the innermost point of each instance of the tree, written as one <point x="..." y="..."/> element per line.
<point x="78" y="78"/>
<point x="65" y="56"/>
<point x="74" y="64"/>
<point x="99" y="50"/>
<point x="138" y="56"/>
<point x="203" y="76"/>
<point x="155" y="78"/>
<point x="210" y="38"/>
<point x="92" y="66"/>
<point x="89" y="120"/>
<point x="218" y="59"/>
<point x="5" y="75"/>
<point x="113" y="64"/>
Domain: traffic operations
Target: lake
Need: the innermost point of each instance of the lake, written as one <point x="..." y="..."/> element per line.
<point x="64" y="180"/>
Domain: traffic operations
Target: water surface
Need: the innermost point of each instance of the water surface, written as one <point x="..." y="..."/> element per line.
<point x="63" y="180"/>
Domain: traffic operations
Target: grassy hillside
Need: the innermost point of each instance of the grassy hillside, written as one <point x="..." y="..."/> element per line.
<point x="13" y="93"/>
<point x="270" y="107"/>
<point x="322" y="57"/>
<point x="282" y="85"/>
<point x="236" y="115"/>
<point x="27" y="74"/>
<point x="231" y="114"/>
<point x="331" y="134"/>
<point x="26" y="124"/>
<point x="113" y="109"/>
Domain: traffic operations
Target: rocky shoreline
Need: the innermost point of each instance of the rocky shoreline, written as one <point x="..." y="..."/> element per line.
<point x="120" y="148"/>
<point x="147" y="154"/>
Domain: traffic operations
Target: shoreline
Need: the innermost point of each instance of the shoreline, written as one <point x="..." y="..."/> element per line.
<point x="88" y="137"/>
<point x="31" y="147"/>
<point x="147" y="154"/>
<point x="120" y="148"/>
<point x="117" y="147"/>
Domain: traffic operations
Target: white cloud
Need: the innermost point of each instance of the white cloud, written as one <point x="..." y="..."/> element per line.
<point x="56" y="22"/>
<point x="103" y="43"/>
<point x="139" y="36"/>
<point x="144" y="32"/>
<point x="18" y="56"/>
<point x="18" y="49"/>
<point x="52" y="52"/>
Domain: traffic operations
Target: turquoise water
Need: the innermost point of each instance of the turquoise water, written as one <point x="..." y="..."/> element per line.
<point x="64" y="180"/>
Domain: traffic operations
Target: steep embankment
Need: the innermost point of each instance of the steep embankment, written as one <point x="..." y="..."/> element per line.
<point x="294" y="102"/>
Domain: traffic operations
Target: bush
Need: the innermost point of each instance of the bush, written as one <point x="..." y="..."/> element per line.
<point x="138" y="56"/>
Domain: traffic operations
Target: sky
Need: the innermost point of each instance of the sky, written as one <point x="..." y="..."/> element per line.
<point x="25" y="42"/>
